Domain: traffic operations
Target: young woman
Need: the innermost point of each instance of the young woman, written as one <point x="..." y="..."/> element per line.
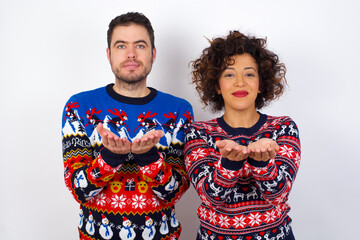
<point x="244" y="163"/>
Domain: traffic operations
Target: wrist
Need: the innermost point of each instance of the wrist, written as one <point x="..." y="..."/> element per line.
<point x="232" y="165"/>
<point x="111" y="158"/>
<point x="147" y="158"/>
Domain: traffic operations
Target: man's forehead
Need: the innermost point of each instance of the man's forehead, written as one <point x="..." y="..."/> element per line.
<point x="130" y="33"/>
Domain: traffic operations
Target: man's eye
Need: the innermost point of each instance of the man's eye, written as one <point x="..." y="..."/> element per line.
<point x="140" y="46"/>
<point x="121" y="46"/>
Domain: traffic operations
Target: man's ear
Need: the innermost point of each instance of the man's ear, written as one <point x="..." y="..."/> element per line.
<point x="108" y="53"/>
<point x="153" y="54"/>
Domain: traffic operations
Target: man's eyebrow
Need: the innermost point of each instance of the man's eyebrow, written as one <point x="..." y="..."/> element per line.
<point x="142" y="41"/>
<point x="136" y="42"/>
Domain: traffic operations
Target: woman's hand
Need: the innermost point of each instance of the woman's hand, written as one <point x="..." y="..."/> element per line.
<point x="263" y="149"/>
<point x="231" y="150"/>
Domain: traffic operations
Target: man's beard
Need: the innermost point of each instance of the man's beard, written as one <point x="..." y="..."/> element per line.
<point x="133" y="80"/>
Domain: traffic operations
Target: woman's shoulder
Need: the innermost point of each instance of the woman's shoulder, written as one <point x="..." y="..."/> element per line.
<point x="275" y="120"/>
<point x="281" y="123"/>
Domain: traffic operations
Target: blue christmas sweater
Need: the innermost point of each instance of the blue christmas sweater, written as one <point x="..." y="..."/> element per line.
<point x="246" y="199"/>
<point x="125" y="196"/>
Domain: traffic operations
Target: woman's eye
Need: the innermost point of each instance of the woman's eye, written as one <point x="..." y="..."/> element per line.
<point x="250" y="75"/>
<point x="229" y="75"/>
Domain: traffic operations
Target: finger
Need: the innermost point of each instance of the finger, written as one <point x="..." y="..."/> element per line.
<point x="111" y="140"/>
<point x="232" y="155"/>
<point x="143" y="141"/>
<point x="105" y="140"/>
<point x="265" y="156"/>
<point x="155" y="141"/>
<point x="136" y="143"/>
<point x="119" y="142"/>
<point x="245" y="151"/>
<point x="253" y="150"/>
<point x="257" y="155"/>
<point x="224" y="153"/>
<point x="239" y="155"/>
<point x="126" y="143"/>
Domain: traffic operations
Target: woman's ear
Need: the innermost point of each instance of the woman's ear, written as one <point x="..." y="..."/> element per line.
<point x="217" y="87"/>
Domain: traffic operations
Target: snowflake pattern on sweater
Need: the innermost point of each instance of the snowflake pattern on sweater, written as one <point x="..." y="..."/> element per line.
<point x="246" y="199"/>
<point x="125" y="196"/>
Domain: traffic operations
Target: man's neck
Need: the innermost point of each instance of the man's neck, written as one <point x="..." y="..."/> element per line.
<point x="137" y="90"/>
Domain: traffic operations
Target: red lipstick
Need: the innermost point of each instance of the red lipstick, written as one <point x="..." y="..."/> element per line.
<point x="240" y="94"/>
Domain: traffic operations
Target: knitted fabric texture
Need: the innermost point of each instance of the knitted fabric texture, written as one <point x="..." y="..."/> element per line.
<point x="125" y="196"/>
<point x="245" y="199"/>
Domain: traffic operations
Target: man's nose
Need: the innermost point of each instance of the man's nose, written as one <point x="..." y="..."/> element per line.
<point x="131" y="54"/>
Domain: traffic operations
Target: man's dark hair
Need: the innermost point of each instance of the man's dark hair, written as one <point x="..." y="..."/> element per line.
<point x="131" y="18"/>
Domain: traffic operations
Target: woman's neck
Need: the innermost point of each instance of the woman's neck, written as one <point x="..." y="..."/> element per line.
<point x="241" y="119"/>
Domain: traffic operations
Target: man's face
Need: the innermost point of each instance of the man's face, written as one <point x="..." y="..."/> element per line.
<point x="130" y="54"/>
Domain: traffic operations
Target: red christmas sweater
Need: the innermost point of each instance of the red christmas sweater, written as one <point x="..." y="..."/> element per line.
<point x="246" y="199"/>
<point x="128" y="196"/>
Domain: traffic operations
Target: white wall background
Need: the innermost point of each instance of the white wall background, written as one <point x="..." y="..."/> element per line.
<point x="50" y="50"/>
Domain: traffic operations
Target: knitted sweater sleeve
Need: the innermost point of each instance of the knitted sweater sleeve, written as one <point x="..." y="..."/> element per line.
<point x="212" y="181"/>
<point x="164" y="168"/>
<point x="275" y="179"/>
<point x="86" y="173"/>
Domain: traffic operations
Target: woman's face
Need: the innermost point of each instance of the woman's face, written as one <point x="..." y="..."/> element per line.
<point x="239" y="84"/>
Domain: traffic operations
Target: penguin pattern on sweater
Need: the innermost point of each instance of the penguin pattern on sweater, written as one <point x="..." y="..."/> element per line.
<point x="125" y="196"/>
<point x="245" y="199"/>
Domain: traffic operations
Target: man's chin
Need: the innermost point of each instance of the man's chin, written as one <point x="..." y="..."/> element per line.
<point x="131" y="81"/>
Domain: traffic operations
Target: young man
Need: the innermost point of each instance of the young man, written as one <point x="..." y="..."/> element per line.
<point x="123" y="144"/>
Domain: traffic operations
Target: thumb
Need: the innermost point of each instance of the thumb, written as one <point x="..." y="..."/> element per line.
<point x="100" y="129"/>
<point x="275" y="146"/>
<point x="160" y="133"/>
<point x="220" y="143"/>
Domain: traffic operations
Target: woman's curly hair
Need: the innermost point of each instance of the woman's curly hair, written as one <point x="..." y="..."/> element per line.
<point x="215" y="59"/>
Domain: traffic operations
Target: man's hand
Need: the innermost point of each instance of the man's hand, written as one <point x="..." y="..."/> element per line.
<point x="231" y="150"/>
<point x="146" y="142"/>
<point x="112" y="142"/>
<point x="263" y="149"/>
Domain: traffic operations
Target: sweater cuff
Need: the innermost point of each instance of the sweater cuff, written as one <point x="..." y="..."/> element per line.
<point x="255" y="163"/>
<point x="147" y="158"/>
<point x="112" y="159"/>
<point x="232" y="165"/>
